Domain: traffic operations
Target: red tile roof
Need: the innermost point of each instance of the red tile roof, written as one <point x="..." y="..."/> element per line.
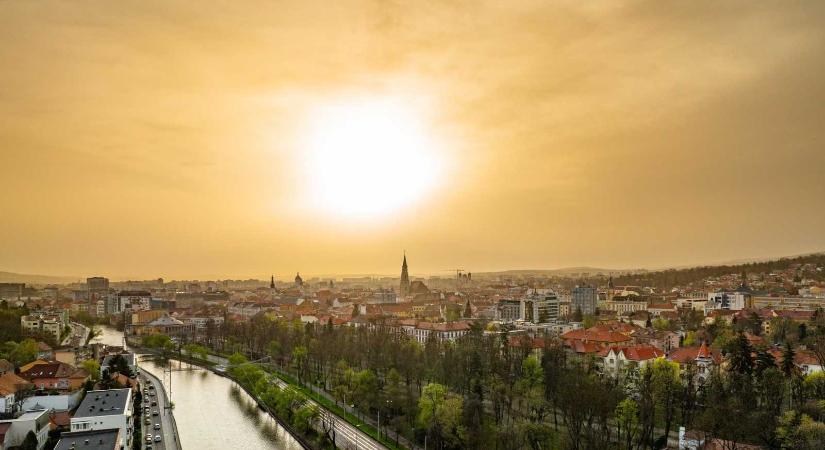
<point x="686" y="355"/>
<point x="605" y="337"/>
<point x="637" y="353"/>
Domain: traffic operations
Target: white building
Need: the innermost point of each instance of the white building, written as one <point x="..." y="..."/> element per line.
<point x="731" y="300"/>
<point x="134" y="300"/>
<point x="618" y="359"/>
<point x="14" y="431"/>
<point x="102" y="410"/>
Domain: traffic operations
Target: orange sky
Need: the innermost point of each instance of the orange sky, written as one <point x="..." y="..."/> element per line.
<point x="162" y="138"/>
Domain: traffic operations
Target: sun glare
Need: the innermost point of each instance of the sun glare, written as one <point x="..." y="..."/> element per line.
<point x="370" y="157"/>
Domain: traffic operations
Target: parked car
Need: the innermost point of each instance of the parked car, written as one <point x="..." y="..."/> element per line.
<point x="157" y="426"/>
<point x="155" y="412"/>
<point x="157" y="438"/>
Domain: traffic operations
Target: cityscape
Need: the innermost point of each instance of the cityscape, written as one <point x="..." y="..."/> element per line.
<point x="412" y="225"/>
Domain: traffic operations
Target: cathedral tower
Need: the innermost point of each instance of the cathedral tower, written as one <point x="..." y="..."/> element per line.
<point x="405" y="278"/>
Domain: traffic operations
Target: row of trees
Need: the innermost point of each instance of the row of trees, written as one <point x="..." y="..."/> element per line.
<point x="484" y="390"/>
<point x="290" y="405"/>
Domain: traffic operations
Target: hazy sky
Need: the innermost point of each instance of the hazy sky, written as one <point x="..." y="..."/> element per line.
<point x="163" y="138"/>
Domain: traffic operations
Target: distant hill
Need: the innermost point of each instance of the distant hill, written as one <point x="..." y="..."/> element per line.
<point x="668" y="278"/>
<point x="10" y="277"/>
<point x="563" y="272"/>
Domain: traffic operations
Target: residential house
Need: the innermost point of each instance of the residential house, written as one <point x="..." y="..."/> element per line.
<point x="12" y="390"/>
<point x="55" y="376"/>
<point x="106" y="410"/>
<point x="617" y="359"/>
<point x="13" y="431"/>
<point x="704" y="359"/>
<point x="90" y="440"/>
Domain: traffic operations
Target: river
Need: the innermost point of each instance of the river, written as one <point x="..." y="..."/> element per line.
<point x="211" y="411"/>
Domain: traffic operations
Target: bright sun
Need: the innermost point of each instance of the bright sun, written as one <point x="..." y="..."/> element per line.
<point x="370" y="157"/>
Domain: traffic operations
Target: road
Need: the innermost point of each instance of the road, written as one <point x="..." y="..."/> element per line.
<point x="169" y="439"/>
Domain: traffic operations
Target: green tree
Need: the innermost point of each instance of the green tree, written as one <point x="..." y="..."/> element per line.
<point x="739" y="355"/>
<point x="788" y="354"/>
<point x="440" y="414"/>
<point x="29" y="442"/>
<point x="627" y="423"/>
<point x="93" y="367"/>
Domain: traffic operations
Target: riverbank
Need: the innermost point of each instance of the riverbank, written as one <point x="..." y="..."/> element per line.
<point x="211" y="411"/>
<point x="210" y="366"/>
<point x="348" y="430"/>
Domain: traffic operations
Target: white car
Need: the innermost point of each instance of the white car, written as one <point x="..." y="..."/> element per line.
<point x="157" y="426"/>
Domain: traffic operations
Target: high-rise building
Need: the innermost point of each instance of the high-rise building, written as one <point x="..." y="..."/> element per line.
<point x="404" y="289"/>
<point x="584" y="298"/>
<point x="97" y="285"/>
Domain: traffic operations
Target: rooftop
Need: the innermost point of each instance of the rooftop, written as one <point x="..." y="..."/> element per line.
<point x="103" y="403"/>
<point x="90" y="440"/>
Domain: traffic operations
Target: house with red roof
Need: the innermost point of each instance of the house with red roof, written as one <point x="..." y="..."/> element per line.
<point x="703" y="358"/>
<point x="56" y="375"/>
<point x="617" y="359"/>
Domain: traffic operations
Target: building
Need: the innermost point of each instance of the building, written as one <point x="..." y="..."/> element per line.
<point x="404" y="287"/>
<point x="508" y="310"/>
<point x="703" y="358"/>
<point x="625" y="306"/>
<point x="106" y="410"/>
<point x="584" y="298"/>
<point x="730" y="300"/>
<point x="55" y="376"/>
<point x="12" y="390"/>
<point x="618" y="359"/>
<point x="13" y="431"/>
<point x="97" y="285"/>
<point x="90" y="440"/>
<point x="43" y="325"/>
<point x="422" y="331"/>
<point x="541" y="306"/>
<point x="12" y="291"/>
<point x="134" y="300"/>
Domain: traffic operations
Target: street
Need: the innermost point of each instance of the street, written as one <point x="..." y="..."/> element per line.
<point x="167" y="430"/>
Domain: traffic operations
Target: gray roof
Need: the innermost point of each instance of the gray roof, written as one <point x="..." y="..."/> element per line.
<point x="89" y="440"/>
<point x="103" y="403"/>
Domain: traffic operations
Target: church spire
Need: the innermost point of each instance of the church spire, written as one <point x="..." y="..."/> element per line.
<point x="405" y="278"/>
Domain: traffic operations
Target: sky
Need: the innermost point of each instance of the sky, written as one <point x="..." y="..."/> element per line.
<point x="165" y="138"/>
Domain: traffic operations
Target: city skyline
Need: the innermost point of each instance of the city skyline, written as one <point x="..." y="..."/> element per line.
<point x="165" y="139"/>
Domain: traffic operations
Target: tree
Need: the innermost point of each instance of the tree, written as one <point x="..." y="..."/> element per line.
<point x="299" y="357"/>
<point x="24" y="352"/>
<point x="30" y="442"/>
<point x="666" y="384"/>
<point x="93" y="367"/>
<point x="577" y="315"/>
<point x="627" y="423"/>
<point x="119" y="364"/>
<point x="440" y="414"/>
<point x="764" y="361"/>
<point x="788" y="354"/>
<point x="739" y="355"/>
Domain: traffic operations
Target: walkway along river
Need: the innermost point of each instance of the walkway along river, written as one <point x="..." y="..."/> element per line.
<point x="211" y="411"/>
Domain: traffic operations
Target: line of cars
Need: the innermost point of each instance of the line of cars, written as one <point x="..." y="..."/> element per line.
<point x="150" y="411"/>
